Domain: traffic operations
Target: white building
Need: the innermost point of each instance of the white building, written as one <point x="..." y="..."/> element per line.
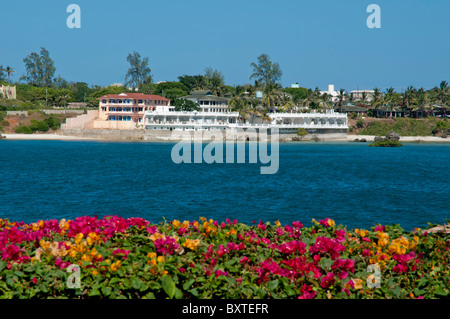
<point x="332" y="92"/>
<point x="166" y="118"/>
<point x="358" y="94"/>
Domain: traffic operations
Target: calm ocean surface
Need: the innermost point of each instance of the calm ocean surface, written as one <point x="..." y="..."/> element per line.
<point x="352" y="183"/>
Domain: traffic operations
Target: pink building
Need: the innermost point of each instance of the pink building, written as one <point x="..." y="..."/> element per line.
<point x="128" y="107"/>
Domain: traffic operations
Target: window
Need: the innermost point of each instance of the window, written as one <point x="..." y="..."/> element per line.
<point x="140" y="101"/>
<point x="112" y="118"/>
<point x="103" y="109"/>
<point x="103" y="101"/>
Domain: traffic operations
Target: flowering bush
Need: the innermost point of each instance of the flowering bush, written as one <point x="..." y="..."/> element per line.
<point x="132" y="258"/>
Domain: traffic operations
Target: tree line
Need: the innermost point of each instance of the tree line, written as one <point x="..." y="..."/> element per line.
<point x="40" y="87"/>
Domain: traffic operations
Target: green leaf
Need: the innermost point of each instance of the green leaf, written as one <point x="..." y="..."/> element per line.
<point x="325" y="263"/>
<point x="94" y="292"/>
<point x="106" y="291"/>
<point x="188" y="284"/>
<point x="2" y="265"/>
<point x="194" y="292"/>
<point x="441" y="291"/>
<point x="168" y="285"/>
<point x="272" y="285"/>
<point x="178" y="293"/>
<point x="136" y="283"/>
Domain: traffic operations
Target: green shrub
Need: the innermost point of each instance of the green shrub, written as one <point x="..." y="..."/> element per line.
<point x="40" y="126"/>
<point x="53" y="122"/>
<point x="386" y="143"/>
<point x="301" y="131"/>
<point x="24" y="130"/>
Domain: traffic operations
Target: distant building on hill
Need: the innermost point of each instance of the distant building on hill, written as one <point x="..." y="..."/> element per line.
<point x="357" y="95"/>
<point x="332" y="92"/>
<point x="8" y="92"/>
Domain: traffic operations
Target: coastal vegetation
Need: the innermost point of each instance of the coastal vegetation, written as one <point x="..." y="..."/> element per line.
<point x="404" y="126"/>
<point x="40" y="88"/>
<point x="131" y="258"/>
<point x="386" y="143"/>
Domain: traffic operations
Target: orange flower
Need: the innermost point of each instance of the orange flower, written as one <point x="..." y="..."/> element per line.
<point x="191" y="243"/>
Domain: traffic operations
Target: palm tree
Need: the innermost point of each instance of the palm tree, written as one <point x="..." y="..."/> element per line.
<point x="326" y="98"/>
<point x="442" y="92"/>
<point x="9" y="71"/>
<point x="341" y="99"/>
<point x="252" y="110"/>
<point x="377" y="99"/>
<point x="389" y="98"/>
<point x="271" y="96"/>
<point x="420" y="100"/>
<point x="363" y="99"/>
<point x="239" y="104"/>
<point x="408" y="96"/>
<point x="308" y="99"/>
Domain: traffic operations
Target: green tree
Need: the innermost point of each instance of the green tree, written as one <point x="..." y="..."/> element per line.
<point x="265" y="70"/>
<point x="2" y="73"/>
<point x="40" y="68"/>
<point x="185" y="105"/>
<point x="9" y="71"/>
<point x="442" y="92"/>
<point x="341" y="99"/>
<point x="377" y="100"/>
<point x="139" y="73"/>
<point x="215" y="81"/>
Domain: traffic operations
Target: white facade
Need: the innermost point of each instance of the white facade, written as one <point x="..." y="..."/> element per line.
<point x="168" y="119"/>
<point x="332" y="92"/>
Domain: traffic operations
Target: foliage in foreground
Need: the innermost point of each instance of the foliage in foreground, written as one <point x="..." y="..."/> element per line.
<point x="132" y="258"/>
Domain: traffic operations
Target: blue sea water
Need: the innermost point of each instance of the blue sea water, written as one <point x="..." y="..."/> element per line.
<point x="354" y="184"/>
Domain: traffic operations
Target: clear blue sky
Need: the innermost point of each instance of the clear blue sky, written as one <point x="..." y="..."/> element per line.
<point x="316" y="42"/>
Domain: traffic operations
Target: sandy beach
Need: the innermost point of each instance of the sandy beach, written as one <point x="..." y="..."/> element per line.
<point x="45" y="137"/>
<point x="349" y="138"/>
<point x="435" y="139"/>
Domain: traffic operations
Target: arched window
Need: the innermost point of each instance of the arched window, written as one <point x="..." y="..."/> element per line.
<point x="103" y="101"/>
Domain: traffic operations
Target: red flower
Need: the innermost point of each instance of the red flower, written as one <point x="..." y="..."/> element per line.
<point x="307" y="292"/>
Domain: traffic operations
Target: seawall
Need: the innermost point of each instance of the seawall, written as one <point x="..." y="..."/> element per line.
<point x="166" y="135"/>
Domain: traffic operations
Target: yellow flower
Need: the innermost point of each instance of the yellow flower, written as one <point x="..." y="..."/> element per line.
<point x="277" y="223"/>
<point x="191" y="243"/>
<point x="185" y="224"/>
<point x="160" y="259"/>
<point x="115" y="266"/>
<point x="176" y="223"/>
<point x="231" y="232"/>
<point x="202" y="219"/>
<point x="358" y="283"/>
<point x="63" y="224"/>
<point x="95" y="272"/>
<point x="363" y="233"/>
<point x="331" y="223"/>
<point x="78" y="238"/>
<point x="44" y="244"/>
<point x="156" y="236"/>
<point x="151" y="255"/>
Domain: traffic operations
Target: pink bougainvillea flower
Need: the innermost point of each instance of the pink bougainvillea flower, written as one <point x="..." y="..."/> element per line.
<point x="307" y="292"/>
<point x="327" y="280"/>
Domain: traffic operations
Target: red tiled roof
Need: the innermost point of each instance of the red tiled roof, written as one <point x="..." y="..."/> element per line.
<point x="132" y="96"/>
